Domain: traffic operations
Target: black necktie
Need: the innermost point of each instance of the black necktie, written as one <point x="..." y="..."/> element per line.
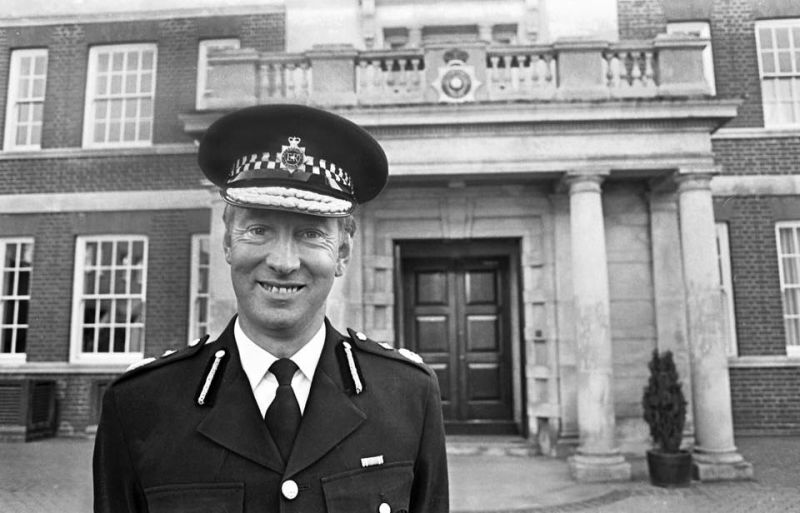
<point x="283" y="415"/>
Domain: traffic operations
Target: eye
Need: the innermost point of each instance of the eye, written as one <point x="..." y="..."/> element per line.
<point x="256" y="230"/>
<point x="312" y="234"/>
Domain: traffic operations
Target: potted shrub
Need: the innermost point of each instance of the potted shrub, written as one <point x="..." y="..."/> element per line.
<point x="665" y="412"/>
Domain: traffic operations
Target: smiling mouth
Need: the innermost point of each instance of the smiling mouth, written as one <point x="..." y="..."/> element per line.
<point x="281" y="289"/>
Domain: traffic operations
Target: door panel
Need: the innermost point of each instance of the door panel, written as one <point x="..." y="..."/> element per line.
<point x="456" y="316"/>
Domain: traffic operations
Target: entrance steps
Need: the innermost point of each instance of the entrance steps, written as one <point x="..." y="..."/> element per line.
<point x="490" y="445"/>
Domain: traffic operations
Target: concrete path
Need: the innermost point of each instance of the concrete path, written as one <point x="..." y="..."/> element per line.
<point x="53" y="476"/>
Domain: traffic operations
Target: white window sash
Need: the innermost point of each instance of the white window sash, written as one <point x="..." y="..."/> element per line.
<point x="726" y="287"/>
<point x="77" y="355"/>
<point x="779" y="111"/>
<point x="92" y="96"/>
<point x="16" y="98"/>
<point x="14" y="357"/>
<point x="194" y="292"/>
<point x="203" y="67"/>
<point x="792" y="346"/>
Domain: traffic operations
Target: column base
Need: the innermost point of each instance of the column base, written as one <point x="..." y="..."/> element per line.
<point x="726" y="466"/>
<point x="598" y="468"/>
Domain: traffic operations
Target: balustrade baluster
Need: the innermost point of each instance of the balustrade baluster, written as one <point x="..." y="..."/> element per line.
<point x="403" y="76"/>
<point x="636" y="70"/>
<point x="649" y="74"/>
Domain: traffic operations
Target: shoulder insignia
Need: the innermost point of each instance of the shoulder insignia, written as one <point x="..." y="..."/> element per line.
<point x="384" y="349"/>
<point x="168" y="356"/>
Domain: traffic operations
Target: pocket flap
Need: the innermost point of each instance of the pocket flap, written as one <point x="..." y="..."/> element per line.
<point x="196" y="498"/>
<point x="382" y="489"/>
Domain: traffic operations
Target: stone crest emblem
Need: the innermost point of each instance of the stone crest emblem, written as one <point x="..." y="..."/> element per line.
<point x="292" y="156"/>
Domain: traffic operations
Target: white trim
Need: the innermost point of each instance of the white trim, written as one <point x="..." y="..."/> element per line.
<point x="105" y="201"/>
<point x="91" y="93"/>
<point x="87" y="153"/>
<point x="726" y="286"/>
<point x="12" y="98"/>
<point x="764" y="361"/>
<point x="194" y="280"/>
<point x="203" y="67"/>
<point x="264" y="7"/>
<point x="12" y="359"/>
<point x="62" y="368"/>
<point x="756" y="133"/>
<point x="750" y="185"/>
<point x="76" y="354"/>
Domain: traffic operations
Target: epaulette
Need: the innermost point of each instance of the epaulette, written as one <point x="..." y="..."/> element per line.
<point x="386" y="350"/>
<point x="168" y="357"/>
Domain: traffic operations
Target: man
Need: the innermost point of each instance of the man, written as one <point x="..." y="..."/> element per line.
<point x="281" y="412"/>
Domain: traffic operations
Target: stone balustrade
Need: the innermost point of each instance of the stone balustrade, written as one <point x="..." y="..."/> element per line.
<point x="668" y="66"/>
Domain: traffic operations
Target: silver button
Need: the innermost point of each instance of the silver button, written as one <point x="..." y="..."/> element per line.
<point x="384" y="508"/>
<point x="289" y="489"/>
<point x="361" y="336"/>
<point x="194" y="342"/>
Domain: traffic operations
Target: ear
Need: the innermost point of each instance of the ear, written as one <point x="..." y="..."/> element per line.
<point x="343" y="258"/>
<point x="226" y="248"/>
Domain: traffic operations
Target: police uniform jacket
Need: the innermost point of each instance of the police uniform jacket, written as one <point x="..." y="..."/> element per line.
<point x="380" y="450"/>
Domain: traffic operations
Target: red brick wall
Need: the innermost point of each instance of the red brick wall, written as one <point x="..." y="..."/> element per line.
<point x="85" y="173"/>
<point x="177" y="41"/>
<point x="754" y="266"/>
<point x="773" y="156"/>
<point x="766" y="405"/>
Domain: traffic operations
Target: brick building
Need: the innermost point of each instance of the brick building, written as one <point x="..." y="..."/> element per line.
<point x="568" y="193"/>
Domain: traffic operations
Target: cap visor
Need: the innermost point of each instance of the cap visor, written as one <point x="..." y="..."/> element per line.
<point x="289" y="199"/>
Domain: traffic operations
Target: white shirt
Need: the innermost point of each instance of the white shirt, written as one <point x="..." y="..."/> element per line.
<point x="256" y="362"/>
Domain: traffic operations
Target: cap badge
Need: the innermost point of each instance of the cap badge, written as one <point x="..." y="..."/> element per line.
<point x="292" y="156"/>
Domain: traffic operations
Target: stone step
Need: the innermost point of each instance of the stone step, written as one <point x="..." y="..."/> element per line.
<point x="490" y="445"/>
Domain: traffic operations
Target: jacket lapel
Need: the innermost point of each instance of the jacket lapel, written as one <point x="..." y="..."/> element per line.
<point x="234" y="420"/>
<point x="330" y="415"/>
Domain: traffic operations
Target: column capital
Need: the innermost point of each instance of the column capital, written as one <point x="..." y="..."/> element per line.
<point x="693" y="182"/>
<point x="584" y="180"/>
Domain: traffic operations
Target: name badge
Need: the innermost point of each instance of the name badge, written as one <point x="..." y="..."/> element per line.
<point x="372" y="461"/>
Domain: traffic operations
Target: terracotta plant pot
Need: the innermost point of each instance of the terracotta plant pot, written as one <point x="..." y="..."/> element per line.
<point x="669" y="469"/>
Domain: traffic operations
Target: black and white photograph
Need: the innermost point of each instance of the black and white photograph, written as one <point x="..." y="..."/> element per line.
<point x="399" y="256"/>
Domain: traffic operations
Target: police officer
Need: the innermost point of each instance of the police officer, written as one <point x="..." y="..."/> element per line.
<point x="282" y="413"/>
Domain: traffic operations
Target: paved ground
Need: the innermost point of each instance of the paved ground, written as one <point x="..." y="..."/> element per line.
<point x="53" y="476"/>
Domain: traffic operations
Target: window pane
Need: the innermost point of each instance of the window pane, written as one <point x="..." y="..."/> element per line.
<point x="8" y="283"/>
<point x="767" y="62"/>
<point x="785" y="62"/>
<point x="102" y="62"/>
<point x="791" y="298"/>
<point x="6" y="335"/>
<point x="116" y="84"/>
<point x="147" y="60"/>
<point x="22" y="336"/>
<point x="133" y="60"/>
<point x="787" y="241"/>
<point x="117" y="61"/>
<point x="39" y="65"/>
<point x="782" y="37"/>
<point x="101" y="84"/>
<point x="791" y="271"/>
<point x="23" y="282"/>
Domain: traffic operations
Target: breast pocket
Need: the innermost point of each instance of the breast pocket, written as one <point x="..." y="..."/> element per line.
<point x="382" y="489"/>
<point x="196" y="498"/>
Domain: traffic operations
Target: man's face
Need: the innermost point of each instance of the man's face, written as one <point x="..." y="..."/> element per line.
<point x="282" y="267"/>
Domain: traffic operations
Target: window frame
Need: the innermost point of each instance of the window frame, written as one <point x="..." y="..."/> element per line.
<point x="77" y="355"/>
<point x="194" y="293"/>
<point x="91" y="96"/>
<point x="202" y="65"/>
<point x="792" y="350"/>
<point x="13" y="99"/>
<point x="15" y="357"/>
<point x="794" y="77"/>
<point x="726" y="287"/>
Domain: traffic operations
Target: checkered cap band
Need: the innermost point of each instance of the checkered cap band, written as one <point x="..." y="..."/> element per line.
<point x="336" y="177"/>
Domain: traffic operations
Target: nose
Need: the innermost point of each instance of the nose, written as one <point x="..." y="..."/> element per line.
<point x="283" y="257"/>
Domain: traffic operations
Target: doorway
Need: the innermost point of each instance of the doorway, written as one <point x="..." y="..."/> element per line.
<point x="456" y="313"/>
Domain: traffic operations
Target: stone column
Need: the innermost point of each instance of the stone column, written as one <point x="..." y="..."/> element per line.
<point x="598" y="458"/>
<point x="222" y="301"/>
<point x="715" y="455"/>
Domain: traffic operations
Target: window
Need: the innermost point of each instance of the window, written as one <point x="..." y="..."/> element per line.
<point x="120" y="87"/>
<point x="109" y="298"/>
<point x="778" y="43"/>
<point x="788" y="234"/>
<point x="26" y="87"/>
<point x="16" y="265"/>
<point x="198" y="289"/>
<point x="726" y="287"/>
<point x="203" y="67"/>
<point x="703" y="30"/>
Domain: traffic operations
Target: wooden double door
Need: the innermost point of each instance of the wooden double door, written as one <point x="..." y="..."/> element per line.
<point x="456" y="315"/>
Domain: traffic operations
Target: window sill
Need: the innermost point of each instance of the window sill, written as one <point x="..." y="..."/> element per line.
<point x="12" y="359"/>
<point x="121" y="359"/>
<point x="757" y="132"/>
<point x="745" y="362"/>
<point x="60" y="368"/>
